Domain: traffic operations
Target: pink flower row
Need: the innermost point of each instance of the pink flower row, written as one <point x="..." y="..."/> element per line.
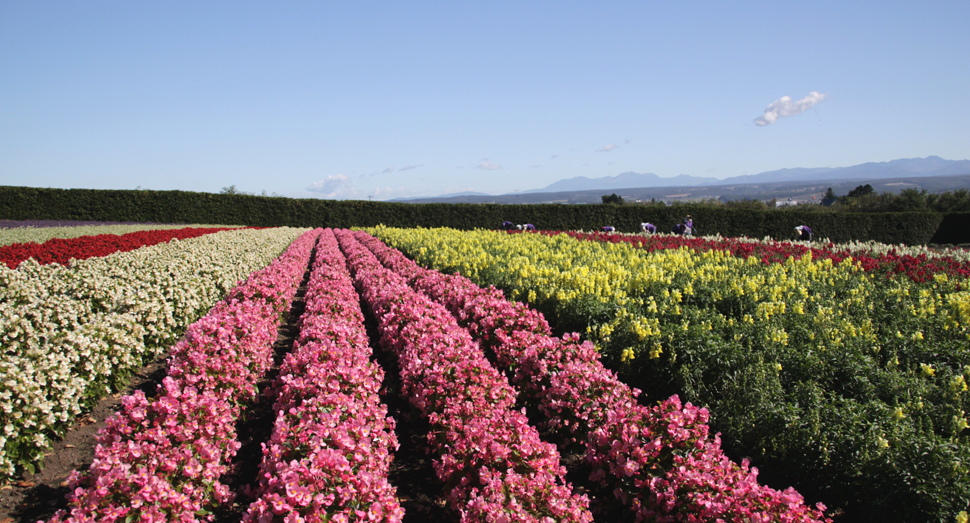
<point x="492" y="461"/>
<point x="160" y="459"/>
<point x="329" y="454"/>
<point x="660" y="461"/>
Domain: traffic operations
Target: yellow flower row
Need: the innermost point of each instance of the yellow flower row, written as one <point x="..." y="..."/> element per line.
<point x="765" y="345"/>
<point x="641" y="287"/>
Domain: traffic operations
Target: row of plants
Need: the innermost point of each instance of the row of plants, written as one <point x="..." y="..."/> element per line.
<point x="911" y="228"/>
<point x="72" y="335"/>
<point x="328" y="456"/>
<point x="39" y="231"/>
<point x="917" y="262"/>
<point x="161" y="459"/>
<point x="63" y="250"/>
<point x="492" y="462"/>
<point x="847" y="385"/>
<point x="660" y="461"/>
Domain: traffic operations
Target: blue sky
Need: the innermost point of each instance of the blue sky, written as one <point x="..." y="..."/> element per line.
<point x="358" y="100"/>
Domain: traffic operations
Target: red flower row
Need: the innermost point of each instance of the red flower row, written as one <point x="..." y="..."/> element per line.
<point x="919" y="268"/>
<point x="660" y="461"/>
<point x="61" y="250"/>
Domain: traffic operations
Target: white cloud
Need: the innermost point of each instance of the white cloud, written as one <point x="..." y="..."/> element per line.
<point x="606" y="148"/>
<point x="388" y="193"/>
<point x="335" y="186"/>
<point x="488" y="165"/>
<point x="784" y="106"/>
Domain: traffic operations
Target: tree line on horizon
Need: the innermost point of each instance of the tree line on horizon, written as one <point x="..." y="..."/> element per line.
<point x="861" y="199"/>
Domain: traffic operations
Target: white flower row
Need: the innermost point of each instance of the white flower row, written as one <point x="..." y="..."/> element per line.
<point x="71" y="335"/>
<point x="42" y="234"/>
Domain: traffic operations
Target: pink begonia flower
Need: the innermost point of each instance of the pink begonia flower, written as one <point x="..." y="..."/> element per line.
<point x="468" y="403"/>
<point x="328" y="413"/>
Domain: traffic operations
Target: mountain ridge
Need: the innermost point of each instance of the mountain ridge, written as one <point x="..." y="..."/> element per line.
<point x="904" y="167"/>
<point x="903" y="170"/>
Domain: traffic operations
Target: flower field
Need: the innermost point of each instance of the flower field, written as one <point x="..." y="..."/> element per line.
<point x="917" y="262"/>
<point x="161" y="460"/>
<point x="842" y="379"/>
<point x="332" y="441"/>
<point x="40" y="231"/>
<point x="62" y="250"/>
<point x="73" y="334"/>
<point x="659" y="461"/>
<point x="492" y="460"/>
<point x="830" y="376"/>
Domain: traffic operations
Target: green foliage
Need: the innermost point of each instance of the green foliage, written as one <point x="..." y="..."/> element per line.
<point x="955" y="201"/>
<point x="822" y="417"/>
<point x="233" y="190"/>
<point x="861" y="190"/>
<point x="864" y="199"/>
<point x="613" y="199"/>
<point x="911" y="228"/>
<point x="953" y="229"/>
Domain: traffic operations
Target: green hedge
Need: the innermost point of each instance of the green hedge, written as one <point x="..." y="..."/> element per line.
<point x="27" y="203"/>
<point x="953" y="229"/>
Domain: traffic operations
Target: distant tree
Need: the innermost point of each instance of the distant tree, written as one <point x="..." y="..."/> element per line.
<point x="910" y="200"/>
<point x="829" y="194"/>
<point x="955" y="201"/>
<point x="862" y="190"/>
<point x="613" y="199"/>
<point x="232" y="190"/>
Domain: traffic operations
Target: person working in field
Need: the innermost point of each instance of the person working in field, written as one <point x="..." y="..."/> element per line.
<point x="688" y="226"/>
<point x="648" y="228"/>
<point x="804" y="233"/>
<point x="608" y="228"/>
<point x="507" y="225"/>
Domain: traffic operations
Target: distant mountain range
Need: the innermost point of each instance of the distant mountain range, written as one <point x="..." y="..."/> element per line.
<point x="932" y="173"/>
<point x="909" y="167"/>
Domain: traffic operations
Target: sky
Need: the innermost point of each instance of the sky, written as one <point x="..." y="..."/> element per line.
<point x="382" y="100"/>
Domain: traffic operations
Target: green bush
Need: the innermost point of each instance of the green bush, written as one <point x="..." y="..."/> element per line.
<point x="911" y="228"/>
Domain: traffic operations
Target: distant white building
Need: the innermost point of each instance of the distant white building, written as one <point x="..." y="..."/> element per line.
<point x="786" y="203"/>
